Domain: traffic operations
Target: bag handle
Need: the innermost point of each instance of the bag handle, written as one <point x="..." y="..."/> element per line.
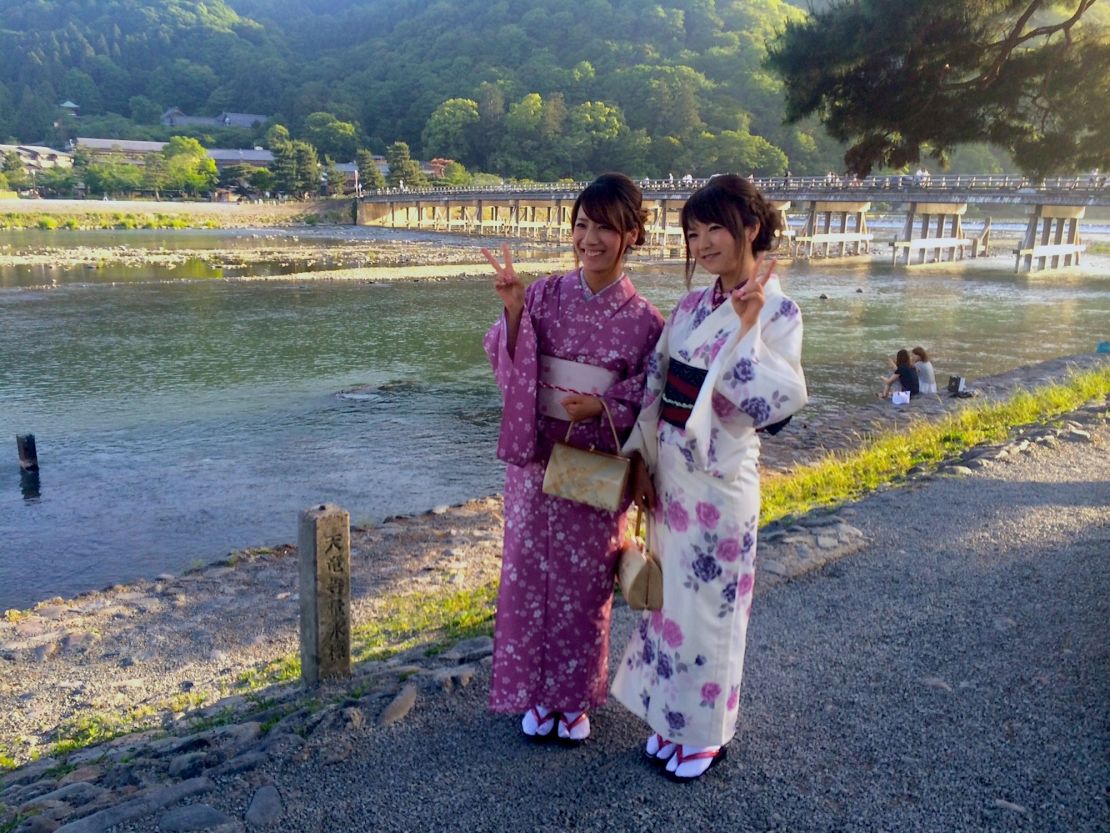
<point x="612" y="426"/>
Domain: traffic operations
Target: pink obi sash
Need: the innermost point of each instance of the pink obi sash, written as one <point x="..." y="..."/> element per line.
<point x="560" y="378"/>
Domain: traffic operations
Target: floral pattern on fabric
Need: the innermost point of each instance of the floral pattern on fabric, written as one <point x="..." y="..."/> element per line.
<point x="705" y="528"/>
<point x="551" y="634"/>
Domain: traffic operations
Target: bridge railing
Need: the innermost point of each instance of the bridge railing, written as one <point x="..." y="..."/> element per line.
<point x="898" y="183"/>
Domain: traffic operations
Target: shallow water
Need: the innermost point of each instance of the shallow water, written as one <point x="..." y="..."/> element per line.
<point x="178" y="419"/>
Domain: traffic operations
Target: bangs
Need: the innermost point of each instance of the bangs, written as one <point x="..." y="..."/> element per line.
<point x="712" y="205"/>
<point x="598" y="204"/>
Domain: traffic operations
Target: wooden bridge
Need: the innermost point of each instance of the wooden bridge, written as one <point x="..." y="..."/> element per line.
<point x="836" y="211"/>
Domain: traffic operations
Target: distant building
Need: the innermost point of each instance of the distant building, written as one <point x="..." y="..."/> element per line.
<point x="135" y="152"/>
<point x="255" y="157"/>
<point x="175" y="117"/>
<point x="69" y="107"/>
<point x="130" y="150"/>
<point x="38" y="158"/>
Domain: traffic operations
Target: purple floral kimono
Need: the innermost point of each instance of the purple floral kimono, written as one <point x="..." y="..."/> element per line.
<point x="551" y="639"/>
<point x="682" y="668"/>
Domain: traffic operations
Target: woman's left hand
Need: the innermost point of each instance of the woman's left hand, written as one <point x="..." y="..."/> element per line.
<point x="747" y="300"/>
<point x="582" y="407"/>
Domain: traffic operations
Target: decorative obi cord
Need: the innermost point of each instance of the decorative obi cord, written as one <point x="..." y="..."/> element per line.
<point x="680" y="392"/>
<point x="559" y="378"/>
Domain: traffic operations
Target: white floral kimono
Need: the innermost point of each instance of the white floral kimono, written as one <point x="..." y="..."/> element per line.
<point x="682" y="668"/>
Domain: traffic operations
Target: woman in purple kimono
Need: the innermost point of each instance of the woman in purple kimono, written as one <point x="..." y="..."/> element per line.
<point x="727" y="365"/>
<point x="561" y="346"/>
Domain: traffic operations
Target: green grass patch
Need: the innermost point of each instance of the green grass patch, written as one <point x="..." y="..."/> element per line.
<point x="888" y="457"/>
<point x="441" y="619"/>
<point x="1098" y="247"/>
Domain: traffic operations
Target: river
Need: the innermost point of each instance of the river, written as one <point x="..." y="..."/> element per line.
<point x="181" y="413"/>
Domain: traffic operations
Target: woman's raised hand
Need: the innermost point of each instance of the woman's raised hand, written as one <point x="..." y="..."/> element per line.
<point x="506" y="283"/>
<point x="747" y="299"/>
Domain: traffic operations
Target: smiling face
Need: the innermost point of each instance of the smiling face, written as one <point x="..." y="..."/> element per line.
<point x="714" y="248"/>
<point x="599" y="246"/>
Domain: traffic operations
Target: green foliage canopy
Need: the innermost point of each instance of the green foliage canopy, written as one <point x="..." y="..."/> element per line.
<point x="897" y="78"/>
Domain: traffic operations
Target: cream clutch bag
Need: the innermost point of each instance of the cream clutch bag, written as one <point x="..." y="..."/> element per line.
<point x="639" y="572"/>
<point x="585" y="475"/>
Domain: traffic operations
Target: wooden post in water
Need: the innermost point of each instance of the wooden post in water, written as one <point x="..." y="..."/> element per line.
<point x="324" y="542"/>
<point x="28" y="454"/>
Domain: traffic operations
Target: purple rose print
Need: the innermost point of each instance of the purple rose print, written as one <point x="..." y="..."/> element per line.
<point x="643" y="627"/>
<point x="708" y="515"/>
<point x="744" y="371"/>
<point x="675" y="720"/>
<point x="715" y="348"/>
<point x="663" y="666"/>
<point x="728" y="593"/>
<point x="672" y="633"/>
<point x="649" y="652"/>
<point x="745" y="584"/>
<point x="757" y="408"/>
<point x="709" y="694"/>
<point x="706" y="567"/>
<point x="749" y="541"/>
<point x="733" y="697"/>
<point x="657" y="621"/>
<point x="787" y="309"/>
<point x="728" y="550"/>
<point x="721" y="406"/>
<point x="677" y="518"/>
<point x="699" y="316"/>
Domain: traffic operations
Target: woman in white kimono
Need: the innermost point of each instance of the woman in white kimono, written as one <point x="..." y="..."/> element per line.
<point x="727" y="365"/>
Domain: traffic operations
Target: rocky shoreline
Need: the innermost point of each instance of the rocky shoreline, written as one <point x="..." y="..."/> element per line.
<point x="176" y="653"/>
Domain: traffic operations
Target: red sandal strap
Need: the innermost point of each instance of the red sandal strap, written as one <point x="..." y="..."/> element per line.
<point x="698" y="756"/>
<point x="568" y="726"/>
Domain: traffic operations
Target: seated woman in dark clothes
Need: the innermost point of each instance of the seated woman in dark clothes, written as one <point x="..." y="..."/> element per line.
<point x="904" y="376"/>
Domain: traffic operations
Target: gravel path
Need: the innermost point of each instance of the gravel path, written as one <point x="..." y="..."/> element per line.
<point x="953" y="676"/>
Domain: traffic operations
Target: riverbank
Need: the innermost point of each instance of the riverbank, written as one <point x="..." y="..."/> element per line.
<point x="303" y="762"/>
<point x="108" y="214"/>
<point x="217" y="640"/>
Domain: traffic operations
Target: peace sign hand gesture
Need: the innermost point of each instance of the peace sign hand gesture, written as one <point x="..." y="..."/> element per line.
<point x="506" y="282"/>
<point x="747" y="299"/>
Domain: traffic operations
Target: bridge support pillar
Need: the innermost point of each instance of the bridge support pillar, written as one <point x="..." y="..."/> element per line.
<point x="934" y="233"/>
<point x="835" y="229"/>
<point x="1052" y="239"/>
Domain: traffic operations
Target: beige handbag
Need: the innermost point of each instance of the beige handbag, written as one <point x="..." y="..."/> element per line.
<point x="639" y="572"/>
<point x="585" y="475"/>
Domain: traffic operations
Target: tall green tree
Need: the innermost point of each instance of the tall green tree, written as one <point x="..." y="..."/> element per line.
<point x="899" y="78"/>
<point x="16" y="172"/>
<point x="188" y="166"/>
<point x="450" y="129"/>
<point x="403" y="169"/>
<point x="369" y="174"/>
<point x="308" y="168"/>
<point x="330" y="136"/>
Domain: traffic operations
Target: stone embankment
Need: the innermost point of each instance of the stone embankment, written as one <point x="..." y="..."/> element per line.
<point x="175" y="656"/>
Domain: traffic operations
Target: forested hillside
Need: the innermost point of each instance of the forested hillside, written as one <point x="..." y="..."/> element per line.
<point x="528" y="88"/>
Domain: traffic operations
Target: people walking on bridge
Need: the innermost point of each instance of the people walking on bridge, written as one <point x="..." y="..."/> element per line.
<point x="570" y="354"/>
<point x="727" y="365"/>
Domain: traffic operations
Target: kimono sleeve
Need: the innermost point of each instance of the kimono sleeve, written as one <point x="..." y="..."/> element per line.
<point x="516" y="376"/>
<point x="645" y="433"/>
<point x="757" y="379"/>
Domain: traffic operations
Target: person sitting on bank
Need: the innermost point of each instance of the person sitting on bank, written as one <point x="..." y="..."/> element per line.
<point x="926" y="377"/>
<point x="904" y="376"/>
